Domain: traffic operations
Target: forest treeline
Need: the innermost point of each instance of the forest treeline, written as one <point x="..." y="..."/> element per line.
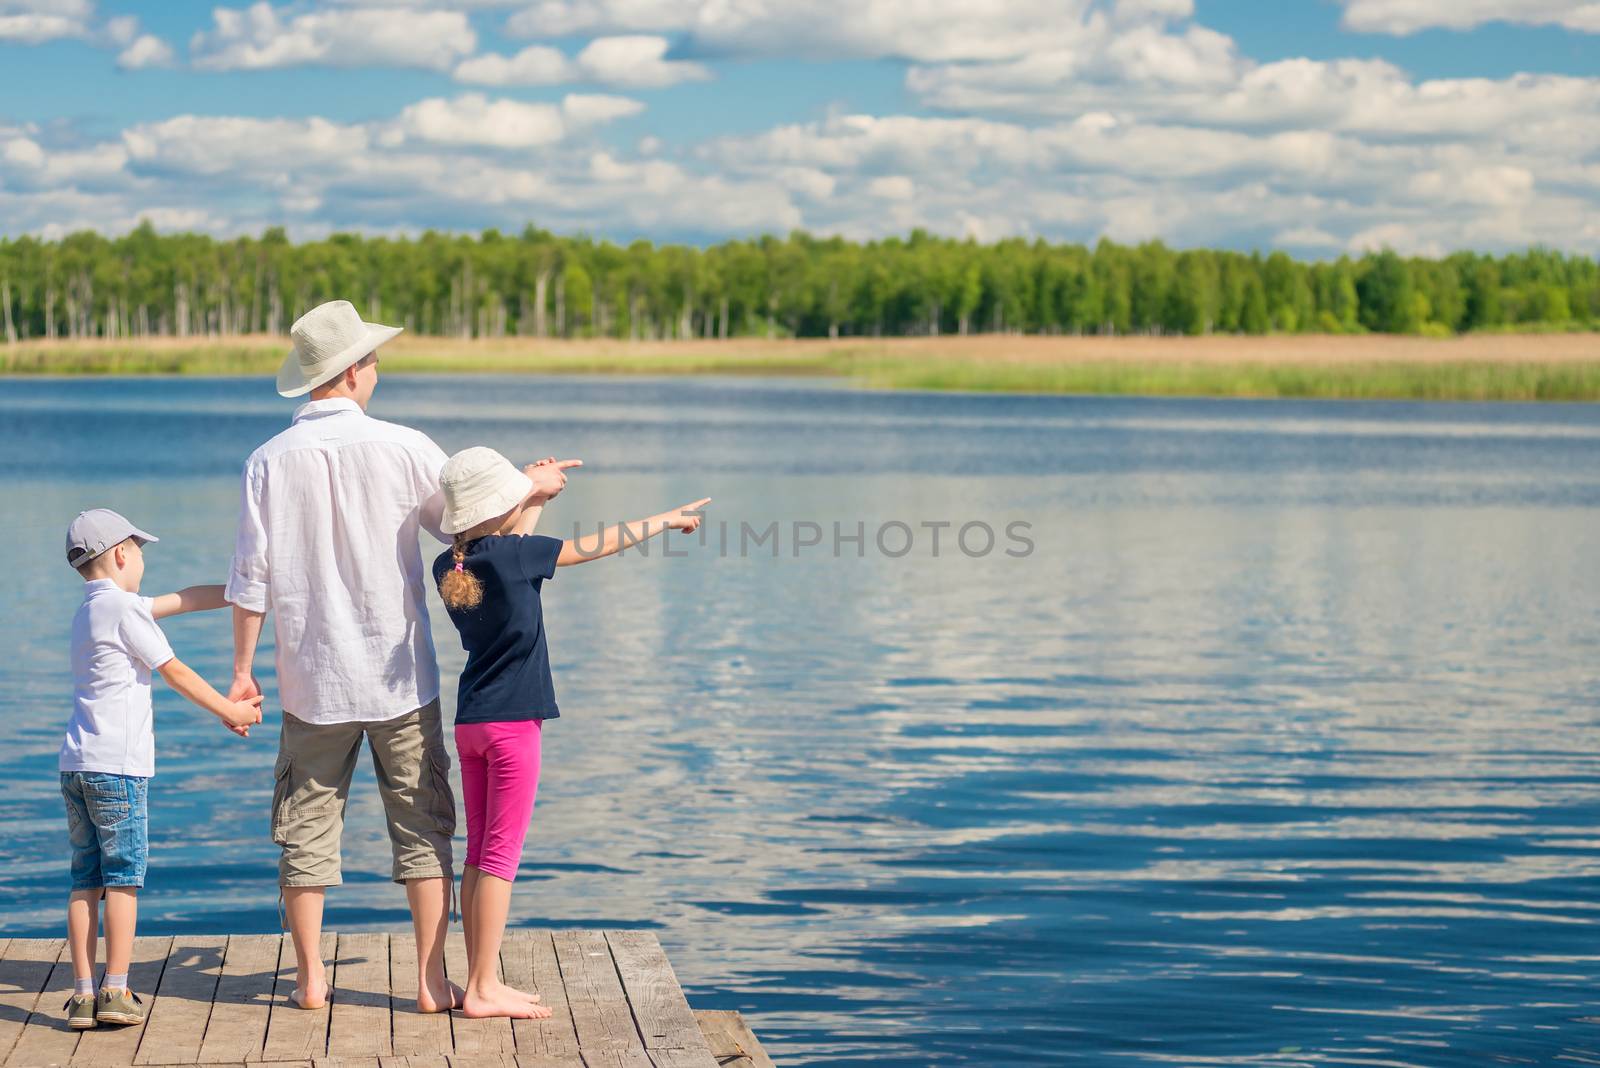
<point x="539" y="284"/>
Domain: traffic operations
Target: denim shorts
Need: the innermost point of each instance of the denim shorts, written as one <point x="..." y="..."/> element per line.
<point x="108" y="821"/>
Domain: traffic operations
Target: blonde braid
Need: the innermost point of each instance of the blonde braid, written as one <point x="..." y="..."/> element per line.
<point x="460" y="588"/>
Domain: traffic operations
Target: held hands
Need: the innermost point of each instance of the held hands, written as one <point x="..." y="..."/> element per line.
<point x="549" y="476"/>
<point x="245" y="697"/>
<point x="242" y="714"/>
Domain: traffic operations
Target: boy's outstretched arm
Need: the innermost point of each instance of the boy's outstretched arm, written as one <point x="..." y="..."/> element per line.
<point x="580" y="550"/>
<point x="236" y="715"/>
<point x="190" y="599"/>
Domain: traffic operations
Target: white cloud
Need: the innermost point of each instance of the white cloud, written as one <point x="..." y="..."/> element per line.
<point x="217" y="145"/>
<point x="474" y="119"/>
<point x="892" y="187"/>
<point x="260" y="37"/>
<point x="33" y="22"/>
<point x="1138" y="10"/>
<point x="1502" y="185"/>
<point x="535" y="65"/>
<point x="927" y="31"/>
<point x="561" y="18"/>
<point x="1402" y="17"/>
<point x="121" y="31"/>
<point x="38" y="28"/>
<point x="635" y="62"/>
<point x="1366" y="96"/>
<point x="147" y="50"/>
<point x="631" y="62"/>
<point x="81" y="10"/>
<point x="1305" y="237"/>
<point x="26" y="164"/>
<point x="1068" y="119"/>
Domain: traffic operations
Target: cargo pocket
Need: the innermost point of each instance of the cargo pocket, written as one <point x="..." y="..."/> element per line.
<point x="280" y="798"/>
<point x="444" y="798"/>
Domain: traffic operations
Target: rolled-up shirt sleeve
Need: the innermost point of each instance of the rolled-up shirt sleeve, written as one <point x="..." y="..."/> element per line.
<point x="248" y="577"/>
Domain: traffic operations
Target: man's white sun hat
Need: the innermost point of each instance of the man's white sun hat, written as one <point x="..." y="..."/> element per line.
<point x="327" y="339"/>
<point x="479" y="484"/>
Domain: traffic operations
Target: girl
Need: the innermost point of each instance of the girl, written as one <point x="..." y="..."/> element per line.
<point x="490" y="581"/>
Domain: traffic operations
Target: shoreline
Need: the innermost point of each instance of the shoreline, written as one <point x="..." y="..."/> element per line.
<point x="1520" y="367"/>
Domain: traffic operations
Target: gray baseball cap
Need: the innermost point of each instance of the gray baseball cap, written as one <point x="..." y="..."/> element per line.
<point x="97" y="530"/>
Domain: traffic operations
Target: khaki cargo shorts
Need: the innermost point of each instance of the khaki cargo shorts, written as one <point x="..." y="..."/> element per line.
<point x="315" y="763"/>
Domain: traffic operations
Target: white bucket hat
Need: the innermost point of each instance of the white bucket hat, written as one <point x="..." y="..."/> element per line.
<point x="327" y="339"/>
<point x="479" y="484"/>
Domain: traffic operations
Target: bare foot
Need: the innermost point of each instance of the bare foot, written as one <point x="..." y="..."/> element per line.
<point x="310" y="993"/>
<point x="439" y="995"/>
<point x="502" y="1001"/>
<point x="521" y="994"/>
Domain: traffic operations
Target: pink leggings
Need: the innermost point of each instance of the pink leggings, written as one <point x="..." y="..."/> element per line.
<point x="499" y="775"/>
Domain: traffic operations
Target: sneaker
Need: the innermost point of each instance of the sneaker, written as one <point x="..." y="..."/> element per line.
<point x="80" y="1012"/>
<point x="118" y="1007"/>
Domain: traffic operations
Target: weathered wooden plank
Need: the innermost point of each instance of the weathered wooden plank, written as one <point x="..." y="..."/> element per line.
<point x="473" y="1037"/>
<point x="483" y="1060"/>
<point x="359" y="1026"/>
<point x="345" y="1062"/>
<point x="616" y="1057"/>
<point x="534" y="1060"/>
<point x="176" y="1023"/>
<point x="732" y="1042"/>
<point x="659" y="1008"/>
<point x="119" y="1045"/>
<point x="295" y="1034"/>
<point x="424" y="1060"/>
<point x="415" y="1034"/>
<point x="24" y="971"/>
<point x="528" y="959"/>
<point x="45" y="1038"/>
<point x="238" y="1027"/>
<point x="682" y="1058"/>
<point x="600" y="1012"/>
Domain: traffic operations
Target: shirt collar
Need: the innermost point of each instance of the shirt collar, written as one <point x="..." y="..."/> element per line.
<point x="327" y="406"/>
<point x="100" y="585"/>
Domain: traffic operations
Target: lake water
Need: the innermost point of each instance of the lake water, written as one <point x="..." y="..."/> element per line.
<point x="1278" y="748"/>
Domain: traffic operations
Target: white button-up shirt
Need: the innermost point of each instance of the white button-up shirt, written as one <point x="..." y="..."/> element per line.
<point x="328" y="542"/>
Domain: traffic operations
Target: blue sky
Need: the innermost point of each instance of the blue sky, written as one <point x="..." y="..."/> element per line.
<point x="1320" y="126"/>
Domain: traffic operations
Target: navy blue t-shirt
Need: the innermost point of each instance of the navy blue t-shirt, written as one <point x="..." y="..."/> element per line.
<point x="507" y="676"/>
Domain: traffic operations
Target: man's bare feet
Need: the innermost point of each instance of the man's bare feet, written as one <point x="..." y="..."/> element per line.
<point x="438" y="995"/>
<point x="501" y="1001"/>
<point x="310" y="992"/>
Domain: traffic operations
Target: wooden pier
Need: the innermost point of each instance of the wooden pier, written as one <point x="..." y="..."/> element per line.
<point x="222" y="1000"/>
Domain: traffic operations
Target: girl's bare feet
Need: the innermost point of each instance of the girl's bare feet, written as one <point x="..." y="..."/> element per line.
<point x="501" y="1001"/>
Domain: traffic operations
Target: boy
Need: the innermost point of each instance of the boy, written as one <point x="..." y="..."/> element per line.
<point x="108" y="755"/>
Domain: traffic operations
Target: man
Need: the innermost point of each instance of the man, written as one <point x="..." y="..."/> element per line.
<point x="328" y="541"/>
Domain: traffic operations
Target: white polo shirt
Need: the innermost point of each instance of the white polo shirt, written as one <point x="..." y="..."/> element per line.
<point x="116" y="644"/>
<point x="329" y="521"/>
